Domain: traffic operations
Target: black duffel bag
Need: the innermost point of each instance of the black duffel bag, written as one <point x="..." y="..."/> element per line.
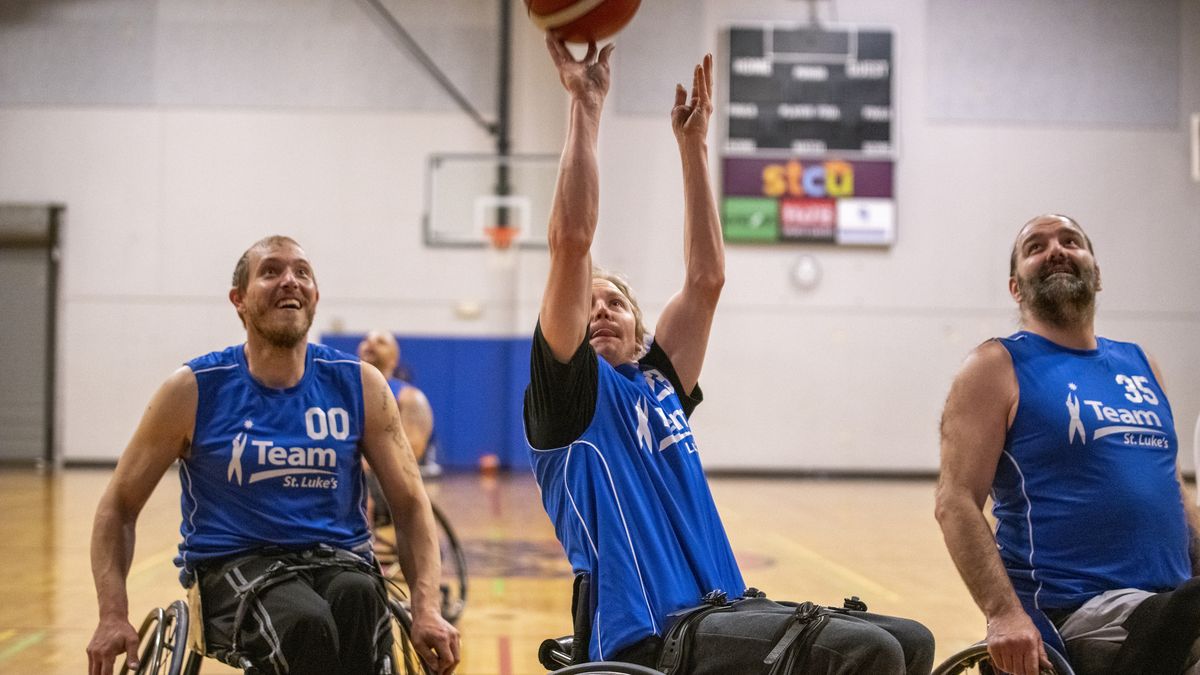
<point x="751" y="635"/>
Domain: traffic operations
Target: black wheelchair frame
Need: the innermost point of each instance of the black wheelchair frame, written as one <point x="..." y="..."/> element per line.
<point x="975" y="659"/>
<point x="453" y="584"/>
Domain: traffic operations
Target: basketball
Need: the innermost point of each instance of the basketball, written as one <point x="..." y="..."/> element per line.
<point x="581" y="20"/>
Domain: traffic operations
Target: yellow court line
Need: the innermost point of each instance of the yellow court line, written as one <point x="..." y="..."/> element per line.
<point x="5" y="634"/>
<point x="154" y="560"/>
<point x="858" y="580"/>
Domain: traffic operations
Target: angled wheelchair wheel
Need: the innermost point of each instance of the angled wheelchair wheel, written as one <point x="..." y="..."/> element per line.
<point x="404" y="659"/>
<point x="162" y="641"/>
<point x="975" y="659"/>
<point x="606" y="668"/>
<point x="453" y="583"/>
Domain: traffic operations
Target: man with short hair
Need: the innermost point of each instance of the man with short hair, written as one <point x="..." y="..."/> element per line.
<point x="268" y="435"/>
<point x="380" y="349"/>
<point x="1073" y="437"/>
<point x="606" y="418"/>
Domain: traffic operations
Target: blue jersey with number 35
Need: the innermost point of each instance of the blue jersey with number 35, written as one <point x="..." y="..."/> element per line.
<point x="1086" y="495"/>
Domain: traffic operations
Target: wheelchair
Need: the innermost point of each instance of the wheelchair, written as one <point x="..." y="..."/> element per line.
<point x="975" y="659"/>
<point x="567" y="655"/>
<point x="171" y="642"/>
<point x="453" y="584"/>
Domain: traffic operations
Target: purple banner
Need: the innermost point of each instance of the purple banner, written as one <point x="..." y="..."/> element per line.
<point x="811" y="178"/>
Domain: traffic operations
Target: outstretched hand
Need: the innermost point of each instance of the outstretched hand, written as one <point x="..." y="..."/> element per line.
<point x="586" y="79"/>
<point x="689" y="116"/>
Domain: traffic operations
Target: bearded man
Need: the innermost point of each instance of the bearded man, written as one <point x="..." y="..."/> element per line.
<point x="269" y="436"/>
<point x="1095" y="547"/>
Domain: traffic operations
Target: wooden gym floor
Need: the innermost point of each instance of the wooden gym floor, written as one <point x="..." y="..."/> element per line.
<point x="797" y="539"/>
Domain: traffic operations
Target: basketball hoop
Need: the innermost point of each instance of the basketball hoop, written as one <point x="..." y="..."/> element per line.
<point x="501" y="236"/>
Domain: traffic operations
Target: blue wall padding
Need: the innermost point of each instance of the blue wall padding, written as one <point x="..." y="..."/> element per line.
<point x="475" y="387"/>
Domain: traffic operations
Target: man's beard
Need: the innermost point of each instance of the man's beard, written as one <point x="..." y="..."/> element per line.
<point x="1060" y="299"/>
<point x="285" y="336"/>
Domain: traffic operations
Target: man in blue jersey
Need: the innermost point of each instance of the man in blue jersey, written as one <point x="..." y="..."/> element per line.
<point x="380" y="349"/>
<point x="606" y="416"/>
<point x="1072" y="435"/>
<point x="269" y="435"/>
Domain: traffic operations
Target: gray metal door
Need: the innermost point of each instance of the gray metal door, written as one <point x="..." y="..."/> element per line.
<point x="23" y="274"/>
<point x="28" y="273"/>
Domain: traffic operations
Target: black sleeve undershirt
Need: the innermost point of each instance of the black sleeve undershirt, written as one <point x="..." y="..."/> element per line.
<point x="560" y="400"/>
<point x="561" y="397"/>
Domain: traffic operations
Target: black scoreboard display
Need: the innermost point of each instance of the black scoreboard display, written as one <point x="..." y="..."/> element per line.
<point x="808" y="152"/>
<point x="810" y="90"/>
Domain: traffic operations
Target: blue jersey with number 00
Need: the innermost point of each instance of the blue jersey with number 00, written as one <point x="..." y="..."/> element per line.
<point x="273" y="467"/>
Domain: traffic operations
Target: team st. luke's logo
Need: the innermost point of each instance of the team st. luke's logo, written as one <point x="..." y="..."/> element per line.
<point x="1139" y="425"/>
<point x="674" y="426"/>
<point x="308" y="467"/>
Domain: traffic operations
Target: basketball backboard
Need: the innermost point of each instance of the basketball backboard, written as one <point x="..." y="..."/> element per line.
<point x="466" y="194"/>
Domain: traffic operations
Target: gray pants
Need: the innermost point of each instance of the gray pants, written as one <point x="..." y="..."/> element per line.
<point x="1095" y="632"/>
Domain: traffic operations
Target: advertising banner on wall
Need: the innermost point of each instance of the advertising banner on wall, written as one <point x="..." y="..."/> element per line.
<point x="808" y="153"/>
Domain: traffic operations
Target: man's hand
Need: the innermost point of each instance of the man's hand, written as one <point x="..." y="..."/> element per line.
<point x="112" y="637"/>
<point x="436" y="642"/>
<point x="1015" y="644"/>
<point x="689" y="116"/>
<point x="586" y="79"/>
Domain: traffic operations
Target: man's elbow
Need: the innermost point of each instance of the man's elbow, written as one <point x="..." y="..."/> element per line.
<point x="947" y="506"/>
<point x="707" y="284"/>
<point x="567" y="240"/>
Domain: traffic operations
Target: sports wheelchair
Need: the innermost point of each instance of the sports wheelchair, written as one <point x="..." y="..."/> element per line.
<point x="171" y="641"/>
<point x="975" y="659"/>
<point x="453" y="584"/>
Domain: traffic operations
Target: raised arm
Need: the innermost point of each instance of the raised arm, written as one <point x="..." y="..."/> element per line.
<point x="162" y="436"/>
<point x="686" y="321"/>
<point x="573" y="214"/>
<point x="386" y="449"/>
<point x="978" y="411"/>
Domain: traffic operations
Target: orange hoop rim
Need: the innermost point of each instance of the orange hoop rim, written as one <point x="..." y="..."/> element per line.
<point x="501" y="236"/>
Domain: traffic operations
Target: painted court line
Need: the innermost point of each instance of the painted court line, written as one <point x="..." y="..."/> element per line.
<point x="867" y="585"/>
<point x="165" y="555"/>
<point x="21" y="645"/>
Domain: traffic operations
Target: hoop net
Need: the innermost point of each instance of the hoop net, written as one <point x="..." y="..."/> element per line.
<point x="501" y="237"/>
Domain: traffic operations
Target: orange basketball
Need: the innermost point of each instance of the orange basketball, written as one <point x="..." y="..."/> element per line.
<point x="581" y="20"/>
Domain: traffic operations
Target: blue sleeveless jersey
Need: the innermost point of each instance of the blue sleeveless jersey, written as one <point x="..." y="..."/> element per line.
<point x="631" y="507"/>
<point x="1085" y="495"/>
<point x="396" y="385"/>
<point x="273" y="467"/>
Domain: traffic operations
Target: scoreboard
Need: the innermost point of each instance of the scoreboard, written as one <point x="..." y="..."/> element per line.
<point x="808" y="153"/>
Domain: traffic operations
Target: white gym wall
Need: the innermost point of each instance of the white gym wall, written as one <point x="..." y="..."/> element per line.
<point x="176" y="133"/>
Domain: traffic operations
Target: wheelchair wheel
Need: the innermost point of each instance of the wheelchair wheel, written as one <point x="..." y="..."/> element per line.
<point x="975" y="659"/>
<point x="404" y="659"/>
<point x="453" y="583"/>
<point x="163" y="641"/>
<point x="606" y="668"/>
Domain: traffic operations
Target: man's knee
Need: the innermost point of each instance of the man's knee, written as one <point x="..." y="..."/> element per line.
<point x="353" y="589"/>
<point x="308" y="625"/>
<point x="848" y="644"/>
